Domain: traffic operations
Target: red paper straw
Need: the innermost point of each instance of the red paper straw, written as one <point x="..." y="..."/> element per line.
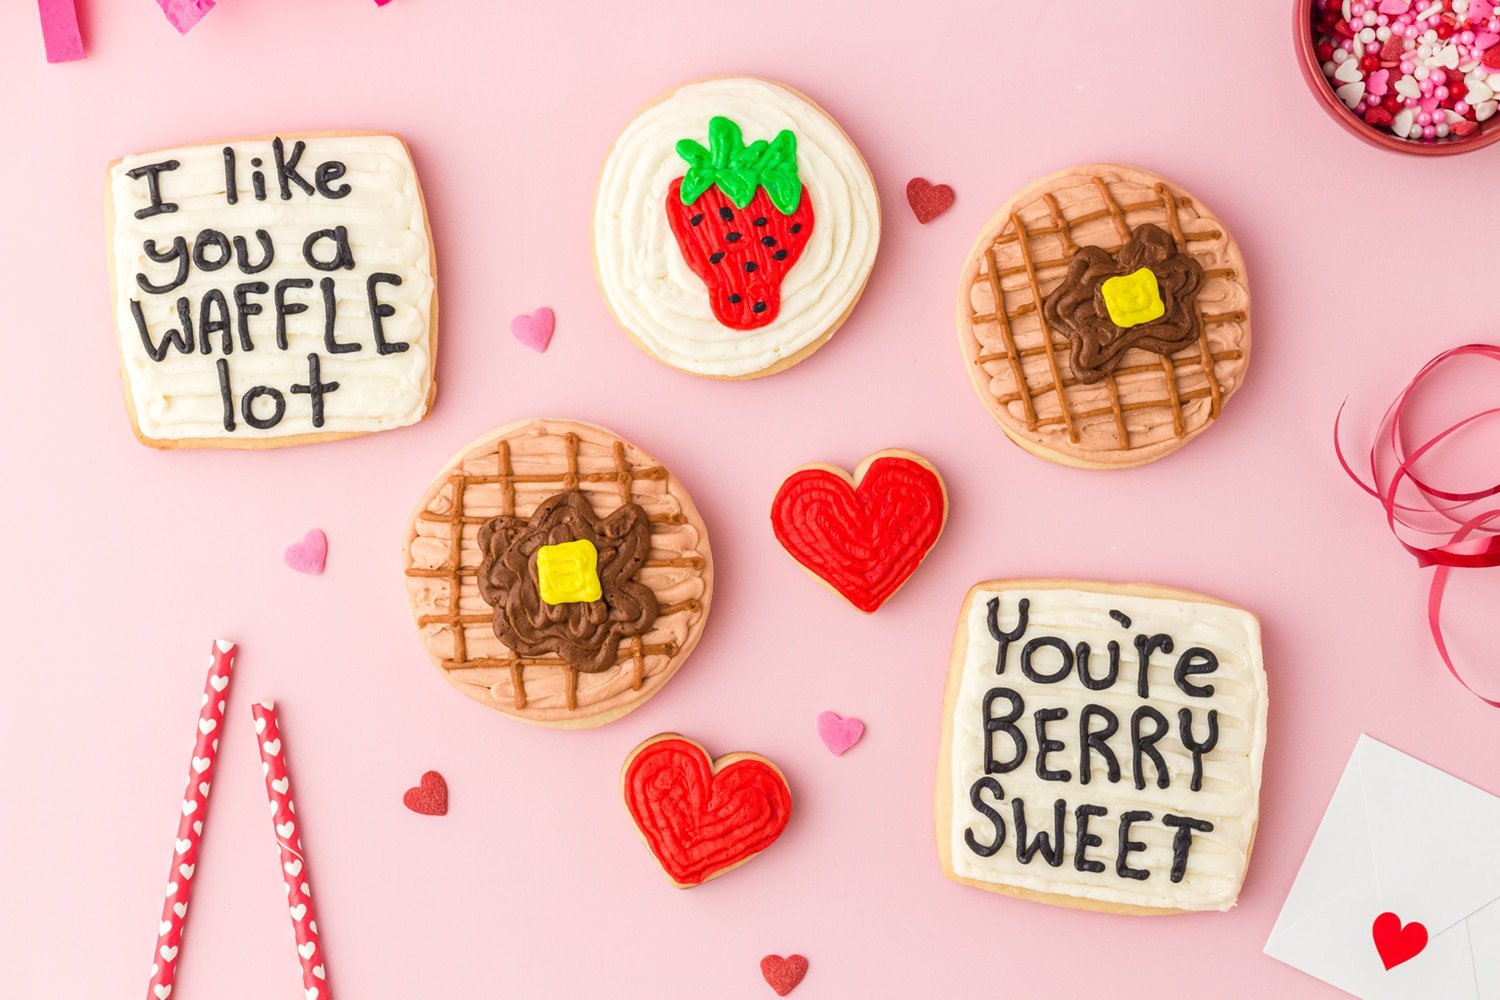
<point x="190" y="825"/>
<point x="293" y="862"/>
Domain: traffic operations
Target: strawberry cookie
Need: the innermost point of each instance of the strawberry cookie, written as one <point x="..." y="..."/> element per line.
<point x="1105" y="317"/>
<point x="558" y="573"/>
<point x="735" y="227"/>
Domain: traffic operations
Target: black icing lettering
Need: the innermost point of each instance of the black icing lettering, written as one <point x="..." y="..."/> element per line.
<point x="231" y="182"/>
<point x="1044" y="746"/>
<point x="330" y="316"/>
<point x="1145" y="645"/>
<point x="1196" y="660"/>
<point x="1085" y="839"/>
<point x="1081" y="657"/>
<point x="1096" y="742"/>
<point x="315" y="388"/>
<point x="323" y="177"/>
<point x="1129" y="847"/>
<point x="177" y="255"/>
<point x="1143" y="744"/>
<point x="247" y="407"/>
<point x="181" y="338"/>
<point x="1185" y="727"/>
<point x="1064" y="667"/>
<point x="225" y="394"/>
<point x="285" y="308"/>
<point x="152" y="172"/>
<point x="211" y="239"/>
<point x="343" y="255"/>
<point x="242" y="252"/>
<point x="286" y="169"/>
<point x="213" y="318"/>
<point x="257" y="180"/>
<point x="997" y="822"/>
<point x="1049" y="844"/>
<point x="1121" y="617"/>
<point x="380" y="312"/>
<point x="244" y="309"/>
<point x="1182" y="840"/>
<point x="1003" y="724"/>
<point x="1023" y="608"/>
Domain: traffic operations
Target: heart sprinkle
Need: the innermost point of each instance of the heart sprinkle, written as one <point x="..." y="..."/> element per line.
<point x="783" y="974"/>
<point x="838" y="733"/>
<point x="928" y="201"/>
<point x="429" y="797"/>
<point x="535" y="329"/>
<point x="309" y="555"/>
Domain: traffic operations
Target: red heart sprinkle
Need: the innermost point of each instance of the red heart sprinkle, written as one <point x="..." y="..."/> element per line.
<point x="1492" y="57"/>
<point x="1379" y="116"/>
<point x="1395" y="943"/>
<point x="430" y="798"/>
<point x="928" y="201"/>
<point x="1392" y="49"/>
<point x="783" y="974"/>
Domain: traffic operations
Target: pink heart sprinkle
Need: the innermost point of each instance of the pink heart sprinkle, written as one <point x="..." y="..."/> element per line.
<point x="838" y="733"/>
<point x="1375" y="83"/>
<point x="1428" y="104"/>
<point x="1485" y="39"/>
<point x="308" y="555"/>
<point x="534" y="330"/>
<point x="1395" y="6"/>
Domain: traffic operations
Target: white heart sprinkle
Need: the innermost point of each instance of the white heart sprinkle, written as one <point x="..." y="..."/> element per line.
<point x="187" y="870"/>
<point x="189" y="807"/>
<point x="1348" y="71"/>
<point x="201" y="764"/>
<point x="183" y="846"/>
<point x="1479" y="93"/>
<point x="168" y="953"/>
<point x="219" y="682"/>
<point x="1446" y="57"/>
<point x="206" y="726"/>
<point x="293" y="868"/>
<point x="1351" y="93"/>
<point x="299" y="911"/>
<point x="280" y="784"/>
<point x="1485" y="110"/>
<point x="1408" y="87"/>
<point x="285" y="829"/>
<point x="1404" y="121"/>
<point x="306" y="950"/>
<point x="272" y="747"/>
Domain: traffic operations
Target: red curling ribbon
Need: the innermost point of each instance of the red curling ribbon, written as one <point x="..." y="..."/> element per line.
<point x="1468" y="539"/>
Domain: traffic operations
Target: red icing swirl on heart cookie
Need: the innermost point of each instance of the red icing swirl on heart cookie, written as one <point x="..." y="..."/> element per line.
<point x="863" y="540"/>
<point x="701" y="817"/>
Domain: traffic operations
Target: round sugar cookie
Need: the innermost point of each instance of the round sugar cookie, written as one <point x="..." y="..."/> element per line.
<point x="734" y="229"/>
<point x="1105" y="317"/>
<point x="558" y="573"/>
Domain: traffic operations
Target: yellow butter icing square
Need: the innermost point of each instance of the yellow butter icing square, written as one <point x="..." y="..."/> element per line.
<point x="568" y="573"/>
<point x="1133" y="299"/>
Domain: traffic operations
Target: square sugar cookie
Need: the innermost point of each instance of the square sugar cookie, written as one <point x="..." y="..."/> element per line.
<point x="272" y="291"/>
<point x="1102" y="746"/>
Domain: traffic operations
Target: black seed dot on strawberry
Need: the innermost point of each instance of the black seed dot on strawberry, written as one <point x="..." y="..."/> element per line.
<point x="759" y="307"/>
<point x="715" y="258"/>
<point x="761" y="221"/>
<point x="734" y="299"/>
<point x="696" y="220"/>
<point x="779" y="255"/>
<point x="750" y="266"/>
<point x="726" y="215"/>
<point x="768" y="241"/>
<point x="796" y="228"/>
<point x="731" y="237"/>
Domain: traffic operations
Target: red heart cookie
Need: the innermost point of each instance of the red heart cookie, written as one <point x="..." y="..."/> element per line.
<point x="928" y="201"/>
<point x="701" y="817"/>
<point x="783" y="974"/>
<point x="865" y="534"/>
<point x="430" y="798"/>
<point x="1395" y="943"/>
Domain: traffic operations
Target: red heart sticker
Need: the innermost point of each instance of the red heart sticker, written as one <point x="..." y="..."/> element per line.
<point x="700" y="817"/>
<point x="783" y="974"/>
<point x="928" y="201"/>
<point x="864" y="535"/>
<point x="1395" y="943"/>
<point x="430" y="798"/>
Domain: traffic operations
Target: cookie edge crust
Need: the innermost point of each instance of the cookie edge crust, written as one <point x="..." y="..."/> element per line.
<point x="943" y="812"/>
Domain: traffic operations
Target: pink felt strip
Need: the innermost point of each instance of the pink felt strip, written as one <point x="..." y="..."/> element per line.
<point x="60" y="30"/>
<point x="185" y="13"/>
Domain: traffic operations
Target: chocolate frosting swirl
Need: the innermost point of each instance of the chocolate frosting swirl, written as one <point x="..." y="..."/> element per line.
<point x="585" y="634"/>
<point x="1076" y="307"/>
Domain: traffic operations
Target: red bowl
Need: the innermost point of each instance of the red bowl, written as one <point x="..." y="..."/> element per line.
<point x="1322" y="90"/>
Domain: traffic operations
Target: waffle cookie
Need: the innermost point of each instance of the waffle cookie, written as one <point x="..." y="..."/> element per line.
<point x="557" y="573"/>
<point x="1105" y="317"/>
<point x="1101" y="746"/>
<point x="734" y="227"/>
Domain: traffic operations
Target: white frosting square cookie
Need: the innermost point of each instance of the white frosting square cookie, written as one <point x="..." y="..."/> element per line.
<point x="272" y="291"/>
<point x="1102" y="746"/>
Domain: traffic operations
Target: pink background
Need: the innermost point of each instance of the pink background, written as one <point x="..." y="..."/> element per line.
<point x="123" y="563"/>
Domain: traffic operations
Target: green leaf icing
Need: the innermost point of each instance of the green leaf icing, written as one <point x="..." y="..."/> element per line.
<point x="737" y="169"/>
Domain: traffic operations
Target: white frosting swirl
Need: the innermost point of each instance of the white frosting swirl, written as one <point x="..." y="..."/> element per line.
<point x="1230" y="793"/>
<point x="649" y="286"/>
<point x="179" y="397"/>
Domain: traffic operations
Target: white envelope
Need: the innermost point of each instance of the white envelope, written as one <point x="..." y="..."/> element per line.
<point x="1403" y="837"/>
